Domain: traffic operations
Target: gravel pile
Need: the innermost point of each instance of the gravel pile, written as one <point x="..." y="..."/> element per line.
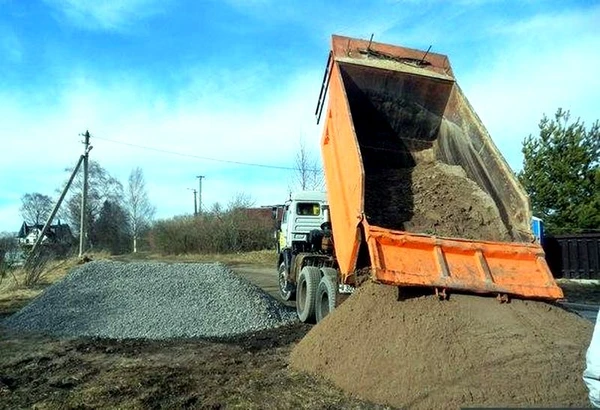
<point x="151" y="300"/>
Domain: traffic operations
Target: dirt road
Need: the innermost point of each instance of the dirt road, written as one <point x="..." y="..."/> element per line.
<point x="583" y="299"/>
<point x="262" y="276"/>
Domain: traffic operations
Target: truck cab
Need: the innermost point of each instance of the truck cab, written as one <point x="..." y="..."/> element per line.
<point x="303" y="213"/>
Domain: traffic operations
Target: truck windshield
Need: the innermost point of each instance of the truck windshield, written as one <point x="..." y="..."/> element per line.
<point x="308" y="208"/>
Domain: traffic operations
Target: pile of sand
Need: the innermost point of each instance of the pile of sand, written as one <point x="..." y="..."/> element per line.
<point x="432" y="198"/>
<point x="469" y="351"/>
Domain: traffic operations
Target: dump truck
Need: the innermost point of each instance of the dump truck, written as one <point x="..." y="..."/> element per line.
<point x="395" y="114"/>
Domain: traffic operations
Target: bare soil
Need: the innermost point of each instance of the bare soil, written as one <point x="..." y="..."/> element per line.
<point x="249" y="372"/>
<point x="424" y="353"/>
<point x="435" y="199"/>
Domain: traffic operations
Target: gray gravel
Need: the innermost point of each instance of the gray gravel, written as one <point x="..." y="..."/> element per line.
<point x="151" y="300"/>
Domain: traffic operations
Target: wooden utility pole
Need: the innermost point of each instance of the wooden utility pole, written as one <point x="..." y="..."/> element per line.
<point x="195" y="204"/>
<point x="200" y="193"/>
<point x="54" y="211"/>
<point x="83" y="220"/>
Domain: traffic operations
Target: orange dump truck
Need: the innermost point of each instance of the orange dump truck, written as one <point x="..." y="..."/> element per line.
<point x="399" y="135"/>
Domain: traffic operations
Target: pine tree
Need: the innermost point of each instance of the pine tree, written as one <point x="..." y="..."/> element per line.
<point x="561" y="174"/>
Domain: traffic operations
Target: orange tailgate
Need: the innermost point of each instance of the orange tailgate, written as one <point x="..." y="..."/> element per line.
<point x="403" y="259"/>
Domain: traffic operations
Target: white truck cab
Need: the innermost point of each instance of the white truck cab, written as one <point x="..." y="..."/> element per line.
<point x="303" y="212"/>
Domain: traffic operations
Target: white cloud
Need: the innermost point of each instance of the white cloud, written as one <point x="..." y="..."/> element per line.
<point x="107" y="14"/>
<point x="538" y="65"/>
<point x="322" y="19"/>
<point x="255" y="114"/>
<point x="243" y="127"/>
<point x="555" y="24"/>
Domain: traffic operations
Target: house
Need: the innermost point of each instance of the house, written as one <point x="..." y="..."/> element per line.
<point x="269" y="216"/>
<point x="57" y="234"/>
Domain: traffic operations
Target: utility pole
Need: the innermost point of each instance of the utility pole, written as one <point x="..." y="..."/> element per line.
<point x="195" y="205"/>
<point x="54" y="211"/>
<point x="200" y="193"/>
<point x="83" y="220"/>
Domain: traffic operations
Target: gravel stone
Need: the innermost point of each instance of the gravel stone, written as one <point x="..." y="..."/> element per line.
<point x="153" y="301"/>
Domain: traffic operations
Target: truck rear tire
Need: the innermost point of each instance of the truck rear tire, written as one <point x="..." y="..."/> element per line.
<point x="306" y="293"/>
<point x="326" y="297"/>
<point x="287" y="290"/>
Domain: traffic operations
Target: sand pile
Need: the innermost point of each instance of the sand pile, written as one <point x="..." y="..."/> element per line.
<point x="469" y="351"/>
<point x="432" y="198"/>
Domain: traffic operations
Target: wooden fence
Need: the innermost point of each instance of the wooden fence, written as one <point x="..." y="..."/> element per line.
<point x="575" y="256"/>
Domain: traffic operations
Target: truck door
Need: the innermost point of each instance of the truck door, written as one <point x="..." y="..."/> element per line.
<point x="283" y="241"/>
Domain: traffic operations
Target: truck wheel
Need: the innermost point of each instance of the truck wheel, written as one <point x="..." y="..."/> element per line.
<point x="287" y="290"/>
<point x="326" y="297"/>
<point x="306" y="293"/>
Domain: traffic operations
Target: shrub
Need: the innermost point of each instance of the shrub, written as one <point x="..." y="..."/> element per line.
<point x="10" y="255"/>
<point x="236" y="230"/>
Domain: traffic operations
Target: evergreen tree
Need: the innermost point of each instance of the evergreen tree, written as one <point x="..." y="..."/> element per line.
<point x="110" y="231"/>
<point x="561" y="174"/>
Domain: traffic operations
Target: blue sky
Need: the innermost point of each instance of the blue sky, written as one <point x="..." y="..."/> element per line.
<point x="238" y="80"/>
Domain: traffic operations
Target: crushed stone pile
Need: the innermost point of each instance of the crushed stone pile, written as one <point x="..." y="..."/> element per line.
<point x="151" y="300"/>
<point x="422" y="353"/>
<point x="435" y="199"/>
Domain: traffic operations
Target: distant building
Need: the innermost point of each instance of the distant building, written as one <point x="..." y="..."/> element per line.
<point x="56" y="234"/>
<point x="269" y="215"/>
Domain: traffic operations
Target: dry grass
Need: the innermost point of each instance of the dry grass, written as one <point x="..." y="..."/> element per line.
<point x="14" y="294"/>
<point x="581" y="291"/>
<point x="259" y="258"/>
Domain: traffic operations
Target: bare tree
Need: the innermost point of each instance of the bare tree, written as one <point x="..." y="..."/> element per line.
<point x="138" y="206"/>
<point x="9" y="255"/>
<point x="216" y="209"/>
<point x="308" y="175"/>
<point x="35" y="208"/>
<point x="240" y="200"/>
<point x="102" y="187"/>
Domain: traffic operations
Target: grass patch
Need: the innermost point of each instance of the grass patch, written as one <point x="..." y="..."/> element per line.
<point x="578" y="291"/>
<point x="14" y="294"/>
<point x="259" y="258"/>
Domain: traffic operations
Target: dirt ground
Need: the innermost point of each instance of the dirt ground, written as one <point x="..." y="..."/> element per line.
<point x="423" y="353"/>
<point x="249" y="372"/>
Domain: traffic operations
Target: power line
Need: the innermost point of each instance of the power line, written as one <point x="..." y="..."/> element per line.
<point x="250" y="164"/>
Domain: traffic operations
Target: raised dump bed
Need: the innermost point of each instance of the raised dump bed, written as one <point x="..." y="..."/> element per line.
<point x="417" y="190"/>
